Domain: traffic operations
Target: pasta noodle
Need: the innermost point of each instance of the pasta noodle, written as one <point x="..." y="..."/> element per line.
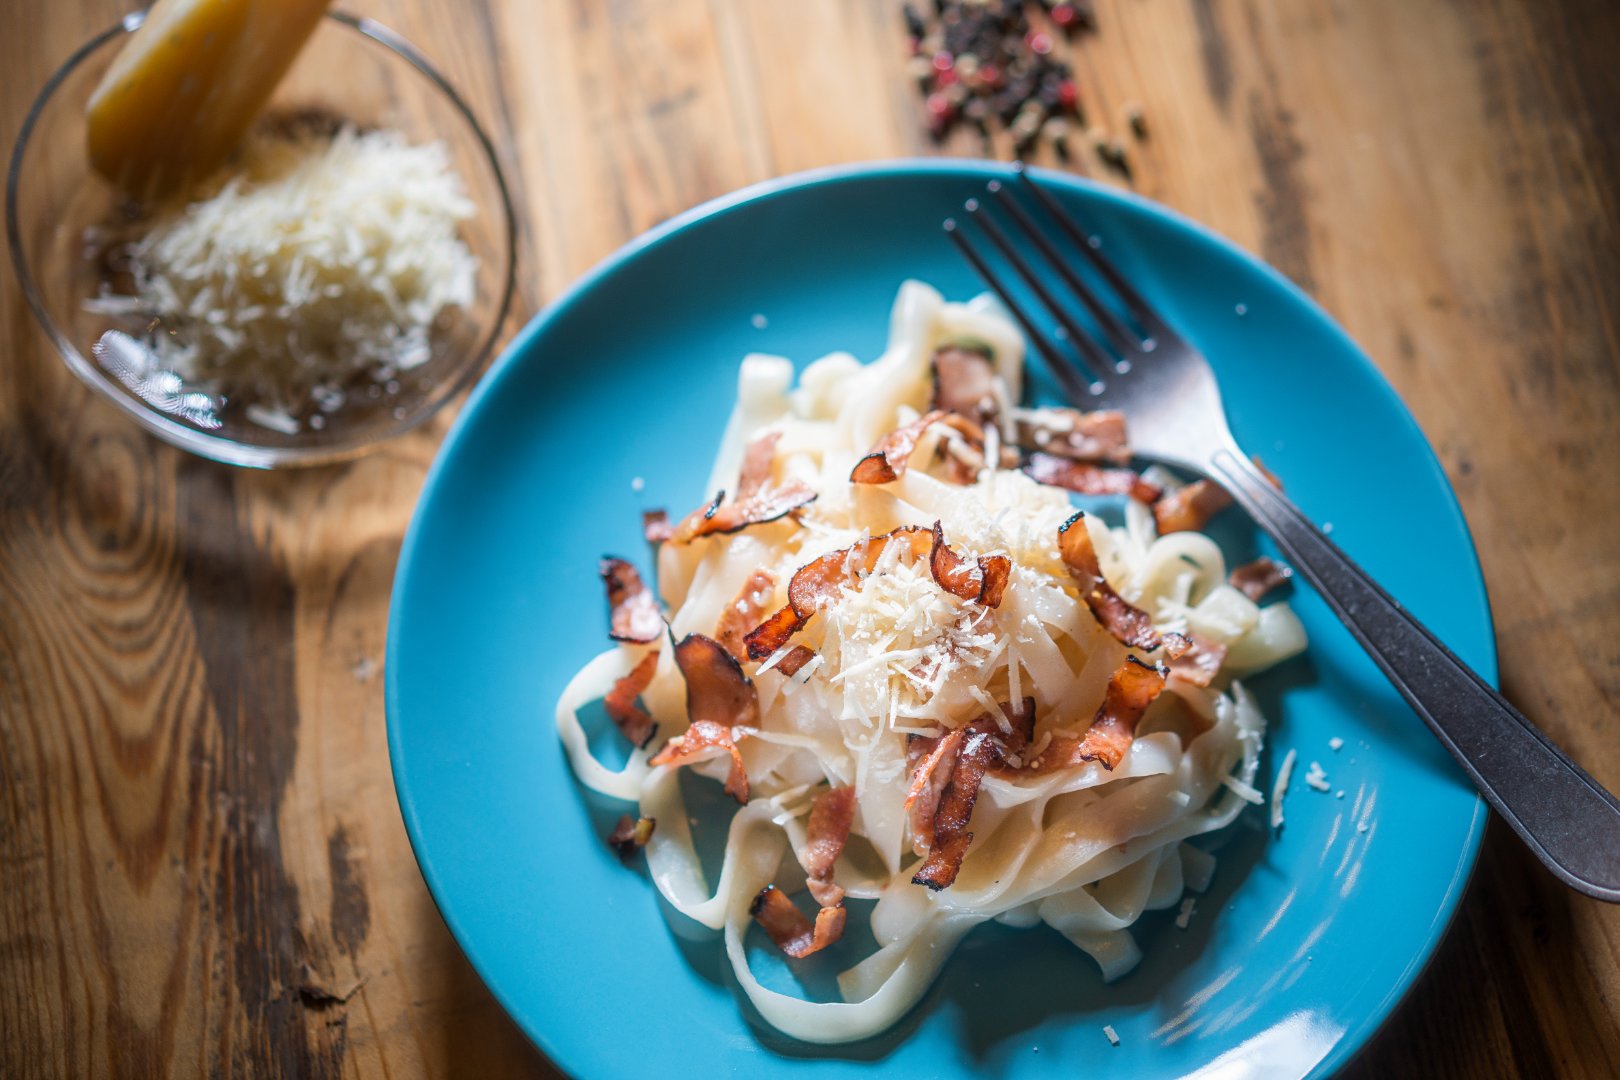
<point x="901" y="662"/>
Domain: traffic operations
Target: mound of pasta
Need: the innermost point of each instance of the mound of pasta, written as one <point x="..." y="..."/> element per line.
<point x="927" y="679"/>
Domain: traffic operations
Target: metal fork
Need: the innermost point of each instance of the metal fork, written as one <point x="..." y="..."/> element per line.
<point x="1142" y="367"/>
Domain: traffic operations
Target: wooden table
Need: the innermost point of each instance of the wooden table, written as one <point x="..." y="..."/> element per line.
<point x="202" y="866"/>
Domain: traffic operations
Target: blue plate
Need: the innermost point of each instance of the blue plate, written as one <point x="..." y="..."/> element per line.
<point x="1305" y="941"/>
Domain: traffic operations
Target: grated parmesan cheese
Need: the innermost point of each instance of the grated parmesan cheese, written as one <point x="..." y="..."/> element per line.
<point x="318" y="261"/>
<point x="1280" y="788"/>
<point x="1247" y="792"/>
<point x="1184" y="916"/>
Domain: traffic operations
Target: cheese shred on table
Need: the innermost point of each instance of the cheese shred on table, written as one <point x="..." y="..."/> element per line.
<point x="318" y="260"/>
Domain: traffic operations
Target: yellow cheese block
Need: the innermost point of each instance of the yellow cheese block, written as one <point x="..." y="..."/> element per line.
<point x="190" y="81"/>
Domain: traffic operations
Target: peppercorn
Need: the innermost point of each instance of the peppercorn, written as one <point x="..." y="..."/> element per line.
<point x="1056" y="132"/>
<point x="1137" y="122"/>
<point x="978" y="59"/>
<point x="914" y="22"/>
<point x="1112" y="152"/>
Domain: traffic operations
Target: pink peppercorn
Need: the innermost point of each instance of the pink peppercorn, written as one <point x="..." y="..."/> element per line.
<point x="941" y="115"/>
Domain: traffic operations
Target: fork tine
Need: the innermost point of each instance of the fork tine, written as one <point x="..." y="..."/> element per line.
<point x="1146" y="318"/>
<point x="1098" y="360"/>
<point x="1122" y="337"/>
<point x="1075" y="382"/>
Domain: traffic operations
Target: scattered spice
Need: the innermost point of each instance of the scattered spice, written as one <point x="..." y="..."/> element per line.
<point x="630" y="835"/>
<point x="1112" y="151"/>
<point x="1135" y="120"/>
<point x="987" y="63"/>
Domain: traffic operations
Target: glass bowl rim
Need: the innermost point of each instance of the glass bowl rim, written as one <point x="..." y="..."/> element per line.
<point x="214" y="447"/>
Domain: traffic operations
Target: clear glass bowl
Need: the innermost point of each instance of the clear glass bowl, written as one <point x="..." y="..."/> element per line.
<point x="57" y="207"/>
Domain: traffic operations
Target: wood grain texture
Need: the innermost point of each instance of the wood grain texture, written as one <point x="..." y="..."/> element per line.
<point x="202" y="867"/>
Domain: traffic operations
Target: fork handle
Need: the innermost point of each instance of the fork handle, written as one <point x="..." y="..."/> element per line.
<point x="1565" y="816"/>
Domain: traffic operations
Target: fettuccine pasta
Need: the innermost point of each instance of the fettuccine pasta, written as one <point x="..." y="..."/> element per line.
<point x="927" y="679"/>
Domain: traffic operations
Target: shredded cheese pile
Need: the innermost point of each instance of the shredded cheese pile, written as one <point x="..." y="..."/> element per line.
<point x="317" y="261"/>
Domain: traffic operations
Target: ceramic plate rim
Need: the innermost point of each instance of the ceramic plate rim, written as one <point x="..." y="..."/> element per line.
<point x="1356" y="1036"/>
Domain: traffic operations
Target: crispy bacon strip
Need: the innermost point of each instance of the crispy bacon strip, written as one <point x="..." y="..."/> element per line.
<point x="1200" y="663"/>
<point x="938" y="871"/>
<point x="1022" y="720"/>
<point x="769" y="504"/>
<point x="983" y="581"/>
<point x="831" y="816"/>
<point x="1015" y="746"/>
<point x="630" y="835"/>
<point x="758" y="457"/>
<point x="1082" y="436"/>
<point x="1189" y="508"/>
<point x="1257" y="578"/>
<point x="945" y="776"/>
<point x="959" y="472"/>
<point x="887" y="461"/>
<point x="962" y="450"/>
<point x="717" y="691"/>
<point x="1176" y="645"/>
<point x="917" y="748"/>
<point x="620" y="702"/>
<point x="697" y="743"/>
<point x="932" y="761"/>
<point x="976" y="753"/>
<point x="790" y="929"/>
<point x="796" y="658"/>
<point x="818" y="581"/>
<point x="632" y="611"/>
<point x="742" y="614"/>
<point x="719" y="698"/>
<point x="655" y="526"/>
<point x="1129" y="624"/>
<point x="1087" y="478"/>
<point x="773" y="633"/>
<point x="966" y="451"/>
<point x="1131" y="689"/>
<point x="964" y="380"/>
<point x="997" y="572"/>
<point x="687" y="529"/>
